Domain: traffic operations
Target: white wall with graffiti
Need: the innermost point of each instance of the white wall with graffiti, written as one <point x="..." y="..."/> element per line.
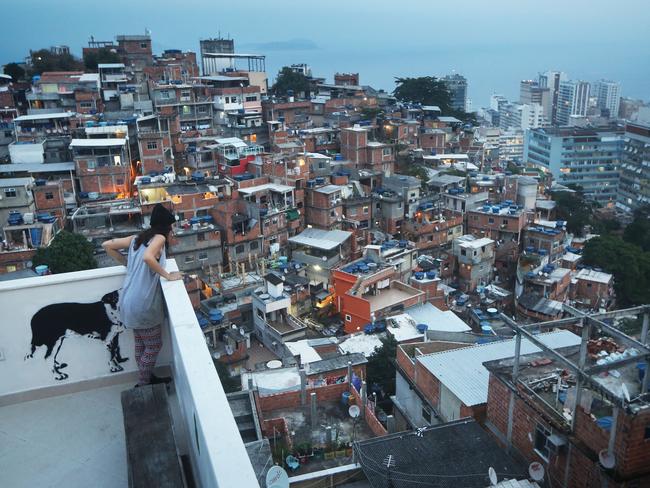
<point x="72" y="319"/>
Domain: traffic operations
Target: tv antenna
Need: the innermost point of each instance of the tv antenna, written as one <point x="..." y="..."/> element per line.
<point x="492" y="474"/>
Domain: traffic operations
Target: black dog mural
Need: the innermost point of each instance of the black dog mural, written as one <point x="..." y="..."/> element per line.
<point x="98" y="320"/>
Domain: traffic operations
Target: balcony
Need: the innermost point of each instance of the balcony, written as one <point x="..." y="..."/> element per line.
<point x="69" y="431"/>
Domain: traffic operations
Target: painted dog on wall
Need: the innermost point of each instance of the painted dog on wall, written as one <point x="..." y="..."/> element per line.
<point x="97" y="320"/>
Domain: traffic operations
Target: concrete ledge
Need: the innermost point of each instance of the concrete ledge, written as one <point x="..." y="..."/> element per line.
<point x="77" y="386"/>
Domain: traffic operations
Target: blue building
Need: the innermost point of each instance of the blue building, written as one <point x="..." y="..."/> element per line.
<point x="588" y="157"/>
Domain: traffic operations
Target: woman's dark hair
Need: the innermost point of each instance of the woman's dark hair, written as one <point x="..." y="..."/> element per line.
<point x="145" y="236"/>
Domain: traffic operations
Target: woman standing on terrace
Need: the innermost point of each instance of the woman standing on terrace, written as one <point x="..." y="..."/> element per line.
<point x="141" y="300"/>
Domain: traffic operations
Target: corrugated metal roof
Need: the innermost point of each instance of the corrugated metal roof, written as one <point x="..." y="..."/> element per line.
<point x="437" y="319"/>
<point x="321" y="239"/>
<point x="462" y="370"/>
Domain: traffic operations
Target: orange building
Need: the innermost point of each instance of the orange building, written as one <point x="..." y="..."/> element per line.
<point x="368" y="289"/>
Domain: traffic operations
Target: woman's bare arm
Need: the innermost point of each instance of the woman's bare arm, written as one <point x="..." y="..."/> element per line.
<point x="113" y="246"/>
<point x="152" y="254"/>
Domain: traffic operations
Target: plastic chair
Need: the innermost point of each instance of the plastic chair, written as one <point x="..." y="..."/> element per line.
<point x="292" y="462"/>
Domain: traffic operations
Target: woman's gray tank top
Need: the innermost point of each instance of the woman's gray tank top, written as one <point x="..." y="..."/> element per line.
<point x="141" y="300"/>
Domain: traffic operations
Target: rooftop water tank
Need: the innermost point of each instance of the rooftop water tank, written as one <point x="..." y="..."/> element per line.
<point x="41" y="269"/>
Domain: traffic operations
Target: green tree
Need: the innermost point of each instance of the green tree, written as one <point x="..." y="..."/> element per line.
<point x="100" y="56"/>
<point x="627" y="262"/>
<point x="638" y="231"/>
<point x="290" y="80"/>
<point x="14" y="70"/>
<point x="44" y="60"/>
<point x="513" y="168"/>
<point x="67" y="252"/>
<point x="381" y="366"/>
<point x="574" y="209"/>
<point x="229" y="383"/>
<point x="429" y="90"/>
<point x="425" y="90"/>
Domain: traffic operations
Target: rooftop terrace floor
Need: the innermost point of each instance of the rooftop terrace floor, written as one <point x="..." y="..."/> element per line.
<point x="74" y="440"/>
<point x="388" y="298"/>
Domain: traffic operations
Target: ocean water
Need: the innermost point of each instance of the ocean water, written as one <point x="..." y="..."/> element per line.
<point x="494" y="44"/>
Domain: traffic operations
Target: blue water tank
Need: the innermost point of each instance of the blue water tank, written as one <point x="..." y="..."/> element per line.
<point x="41" y="269"/>
<point x="311" y="183"/>
<point x="369" y="329"/>
<point x="431" y="275"/>
<point x="422" y="328"/>
<point x="36" y="234"/>
<point x="320" y="180"/>
<point x="356" y="381"/>
<point x="419" y="275"/>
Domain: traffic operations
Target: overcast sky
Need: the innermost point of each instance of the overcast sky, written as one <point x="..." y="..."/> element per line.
<point x="494" y="44"/>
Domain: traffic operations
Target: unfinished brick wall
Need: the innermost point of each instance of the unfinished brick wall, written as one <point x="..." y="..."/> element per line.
<point x="584" y="470"/>
<point x="371" y="419"/>
<point x="428" y="384"/>
<point x="291" y="399"/>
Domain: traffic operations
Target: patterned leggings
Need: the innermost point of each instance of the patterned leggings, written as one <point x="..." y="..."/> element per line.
<point x="147" y="346"/>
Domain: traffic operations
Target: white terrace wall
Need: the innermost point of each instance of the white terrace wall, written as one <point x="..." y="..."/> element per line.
<point x="85" y="358"/>
<point x="217" y="452"/>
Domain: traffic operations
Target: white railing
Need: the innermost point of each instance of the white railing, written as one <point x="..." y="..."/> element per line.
<point x="217" y="452"/>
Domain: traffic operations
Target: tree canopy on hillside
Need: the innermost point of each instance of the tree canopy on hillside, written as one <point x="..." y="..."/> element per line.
<point x="45" y="60"/>
<point x="67" y="252"/>
<point x="429" y="90"/>
<point x="100" y="56"/>
<point x="289" y="80"/>
<point x="14" y="70"/>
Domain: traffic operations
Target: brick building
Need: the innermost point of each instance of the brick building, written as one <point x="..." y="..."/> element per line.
<point x="447" y="380"/>
<point x="154" y="146"/>
<point x="102" y="165"/>
<point x="323" y="205"/>
<point x="135" y="50"/>
<point x="475" y="261"/>
<point x="430" y="229"/>
<point x="499" y="222"/>
<point x="49" y="197"/>
<point x="546" y="235"/>
<point x="589" y="431"/>
<point x="593" y="289"/>
<point x="371" y="288"/>
<point x="346" y="79"/>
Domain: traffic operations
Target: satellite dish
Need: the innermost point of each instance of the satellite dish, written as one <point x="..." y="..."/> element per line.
<point x="626" y="392"/>
<point x="277" y="477"/>
<point x="493" y="476"/>
<point x="606" y="459"/>
<point x="536" y="471"/>
<point x="354" y="411"/>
